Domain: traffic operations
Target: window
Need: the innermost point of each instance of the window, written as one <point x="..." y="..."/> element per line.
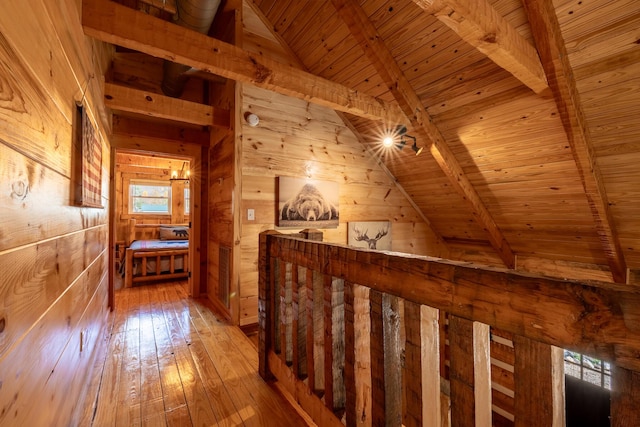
<point x="149" y="197"/>
<point x="587" y="369"/>
<point x="186" y="200"/>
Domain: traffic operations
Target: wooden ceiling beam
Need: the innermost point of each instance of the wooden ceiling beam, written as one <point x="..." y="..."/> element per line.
<point x="120" y="25"/>
<point x="551" y="46"/>
<point x="374" y="48"/>
<point x="151" y="104"/>
<point x="168" y="6"/>
<point x="165" y="131"/>
<point x="479" y="24"/>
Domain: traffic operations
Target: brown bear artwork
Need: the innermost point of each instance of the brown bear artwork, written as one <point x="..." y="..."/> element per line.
<point x="307" y="203"/>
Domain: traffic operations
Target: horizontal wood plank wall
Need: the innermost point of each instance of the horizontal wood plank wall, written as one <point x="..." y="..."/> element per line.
<point x="298" y="139"/>
<point x="53" y="255"/>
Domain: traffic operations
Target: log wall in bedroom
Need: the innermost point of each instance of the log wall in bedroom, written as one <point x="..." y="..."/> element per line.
<point x="53" y="254"/>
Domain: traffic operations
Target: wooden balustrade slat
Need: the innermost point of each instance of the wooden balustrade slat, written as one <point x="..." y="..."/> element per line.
<point x="300" y="319"/>
<point x="625" y="397"/>
<point x="539" y="384"/>
<point x="470" y="373"/>
<point x="309" y="342"/>
<point x="317" y="338"/>
<point x="266" y="281"/>
<point x="334" y="393"/>
<point x="351" y="390"/>
<point x="357" y="367"/>
<point x="422" y="365"/>
<point x="295" y="311"/>
<point x="279" y="271"/>
<point x="386" y="374"/>
<point x="328" y="342"/>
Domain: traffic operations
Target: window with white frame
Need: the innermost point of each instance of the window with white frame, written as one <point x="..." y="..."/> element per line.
<point x="146" y="196"/>
<point x="187" y="200"/>
<point x="587" y="368"/>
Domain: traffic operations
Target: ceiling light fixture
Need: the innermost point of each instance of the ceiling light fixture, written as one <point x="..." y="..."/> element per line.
<point x="181" y="175"/>
<point x="401" y="131"/>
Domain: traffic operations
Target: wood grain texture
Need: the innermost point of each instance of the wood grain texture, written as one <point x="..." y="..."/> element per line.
<point x="113" y="23"/>
<point x="537" y="384"/>
<point x="471" y="292"/>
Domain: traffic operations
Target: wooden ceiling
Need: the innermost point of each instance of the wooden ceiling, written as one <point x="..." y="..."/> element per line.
<point x="525" y="107"/>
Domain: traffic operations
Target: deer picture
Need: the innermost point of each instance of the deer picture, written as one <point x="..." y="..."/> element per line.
<point x="372" y="242"/>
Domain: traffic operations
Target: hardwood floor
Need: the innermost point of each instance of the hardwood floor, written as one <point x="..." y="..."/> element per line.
<point x="171" y="362"/>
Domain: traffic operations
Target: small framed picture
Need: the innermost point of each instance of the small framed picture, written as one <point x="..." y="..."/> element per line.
<point x="370" y="234"/>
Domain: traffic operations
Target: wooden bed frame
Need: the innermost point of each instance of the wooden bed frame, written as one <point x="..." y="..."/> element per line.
<point x="149" y="232"/>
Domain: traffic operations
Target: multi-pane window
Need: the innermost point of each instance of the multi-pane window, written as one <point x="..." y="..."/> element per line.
<point x="186" y="200"/>
<point x="150" y="197"/>
<point x="587" y="368"/>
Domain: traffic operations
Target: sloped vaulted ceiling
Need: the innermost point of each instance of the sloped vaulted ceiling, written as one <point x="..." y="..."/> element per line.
<point x="526" y="108"/>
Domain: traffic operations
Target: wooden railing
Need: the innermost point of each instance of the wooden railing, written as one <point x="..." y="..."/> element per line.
<point x="354" y="336"/>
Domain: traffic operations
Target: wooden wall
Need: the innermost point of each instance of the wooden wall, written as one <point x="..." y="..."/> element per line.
<point x="299" y="139"/>
<point x="53" y="255"/>
<point x="135" y="166"/>
<point x="224" y="183"/>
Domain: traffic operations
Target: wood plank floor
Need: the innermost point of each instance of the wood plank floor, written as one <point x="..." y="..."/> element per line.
<point x="171" y="362"/>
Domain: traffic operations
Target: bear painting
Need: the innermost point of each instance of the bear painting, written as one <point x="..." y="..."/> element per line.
<point x="307" y="204"/>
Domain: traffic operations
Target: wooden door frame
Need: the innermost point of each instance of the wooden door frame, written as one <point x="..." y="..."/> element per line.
<point x="191" y="152"/>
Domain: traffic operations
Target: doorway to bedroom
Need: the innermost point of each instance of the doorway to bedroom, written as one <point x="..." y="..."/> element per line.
<point x="152" y="218"/>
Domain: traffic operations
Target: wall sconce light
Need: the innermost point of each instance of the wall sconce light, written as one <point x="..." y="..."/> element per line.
<point x="401" y="131"/>
<point x="181" y="175"/>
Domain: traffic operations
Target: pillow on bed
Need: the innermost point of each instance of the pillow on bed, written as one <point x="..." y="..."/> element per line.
<point x="174" y="232"/>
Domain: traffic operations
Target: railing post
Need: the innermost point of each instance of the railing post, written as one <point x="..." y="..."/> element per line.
<point x="265" y="303"/>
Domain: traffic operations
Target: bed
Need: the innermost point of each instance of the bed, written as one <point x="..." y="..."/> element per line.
<point x="156" y="252"/>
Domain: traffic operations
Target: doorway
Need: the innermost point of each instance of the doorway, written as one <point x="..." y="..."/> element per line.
<point x="150" y="190"/>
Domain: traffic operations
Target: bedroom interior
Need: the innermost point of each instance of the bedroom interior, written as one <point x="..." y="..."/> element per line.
<point x="480" y="267"/>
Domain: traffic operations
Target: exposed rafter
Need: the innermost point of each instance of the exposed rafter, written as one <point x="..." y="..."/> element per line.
<point x="550" y="43"/>
<point x="155" y="105"/>
<point x="480" y="25"/>
<point x="382" y="59"/>
<point x="120" y="25"/>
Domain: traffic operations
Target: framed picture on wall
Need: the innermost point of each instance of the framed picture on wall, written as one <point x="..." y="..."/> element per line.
<point x="307" y="203"/>
<point x="370" y="234"/>
<point x="87" y="161"/>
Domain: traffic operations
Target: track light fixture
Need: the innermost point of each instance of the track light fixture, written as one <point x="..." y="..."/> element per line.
<point x="401" y="131"/>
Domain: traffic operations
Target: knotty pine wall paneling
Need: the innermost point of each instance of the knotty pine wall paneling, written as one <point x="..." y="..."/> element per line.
<point x="224" y="180"/>
<point x="53" y="255"/>
<point x="298" y="139"/>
